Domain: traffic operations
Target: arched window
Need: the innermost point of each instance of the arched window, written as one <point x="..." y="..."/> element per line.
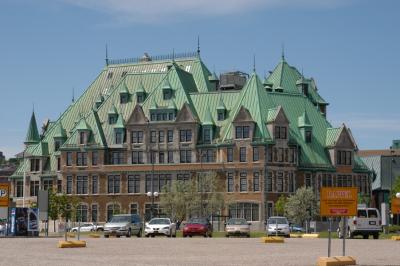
<point x="112" y="209"/>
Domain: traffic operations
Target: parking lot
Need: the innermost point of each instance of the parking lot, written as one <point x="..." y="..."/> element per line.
<point x="192" y="251"/>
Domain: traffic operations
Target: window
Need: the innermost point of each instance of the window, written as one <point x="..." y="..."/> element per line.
<point x="165" y="182"/>
<point x="57" y="145"/>
<point x="111" y="210"/>
<point x="148" y="209"/>
<point x="308" y="136"/>
<point x="69" y="184"/>
<point x="269" y="154"/>
<point x="81" y="158"/>
<point x="123" y="98"/>
<point x="140" y="97"/>
<point x="94" y="213"/>
<point x="344" y="181"/>
<point x="243" y="182"/>
<point x="19" y="187"/>
<point x="134" y="208"/>
<point x="170" y="136"/>
<point x="69" y="158"/>
<point x="230" y="182"/>
<point x="95" y="157"/>
<point x="229" y="154"/>
<point x="95" y="184"/>
<point x="34" y="188"/>
<point x="208" y="156"/>
<point x="207" y="135"/>
<point x="153" y="136"/>
<point x="110" y="75"/>
<point x="119" y="137"/>
<point x="185" y="135"/>
<point x="161" y="136"/>
<point x="280" y="155"/>
<point x="162" y="115"/>
<point x="117" y="157"/>
<point x="134" y="184"/>
<point x="242" y="132"/>
<point x="161" y="158"/>
<point x="82" y="213"/>
<point x="308" y="181"/>
<point x="170" y="157"/>
<point x="248" y="211"/>
<point x="291" y="187"/>
<point x="47" y="184"/>
<point x="183" y="177"/>
<point x="81" y="185"/>
<point x="113" y="184"/>
<point x="221" y="115"/>
<point x="35" y="165"/>
<point x="167" y="94"/>
<point x="344" y="157"/>
<point x="152" y="157"/>
<point x="256" y="181"/>
<point x="58" y="164"/>
<point x="279" y="182"/>
<point x="256" y="154"/>
<point x="185" y="156"/>
<point x="137" y="137"/>
<point x="292" y="153"/>
<point x="159" y="181"/>
<point x="280" y="132"/>
<point x="242" y="154"/>
<point x="112" y="119"/>
<point x="137" y="157"/>
<point x="82" y="137"/>
<point x="59" y="186"/>
<point x="269" y="182"/>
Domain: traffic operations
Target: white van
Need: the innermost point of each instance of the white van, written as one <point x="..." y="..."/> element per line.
<point x="367" y="222"/>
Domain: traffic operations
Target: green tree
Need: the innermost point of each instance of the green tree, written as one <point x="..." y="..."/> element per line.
<point x="395" y="188"/>
<point x="280" y="205"/>
<point x="302" y="206"/>
<point x="54" y="208"/>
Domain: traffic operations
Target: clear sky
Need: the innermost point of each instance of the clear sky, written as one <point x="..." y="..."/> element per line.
<point x="351" y="48"/>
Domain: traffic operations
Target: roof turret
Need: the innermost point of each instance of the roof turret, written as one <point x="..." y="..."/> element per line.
<point x="32" y="136"/>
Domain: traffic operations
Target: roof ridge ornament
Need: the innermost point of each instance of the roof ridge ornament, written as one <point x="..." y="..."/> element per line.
<point x="283" y="51"/>
<point x="198" y="46"/>
<point x="107" y="60"/>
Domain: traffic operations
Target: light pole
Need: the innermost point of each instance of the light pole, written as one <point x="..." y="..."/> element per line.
<point x="391" y="177"/>
<point x="152" y="195"/>
<point x="397" y="214"/>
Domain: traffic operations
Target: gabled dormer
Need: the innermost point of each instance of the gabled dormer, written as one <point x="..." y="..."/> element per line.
<point x="302" y="86"/>
<point x="305" y="127"/>
<point x="124" y="94"/>
<point x="341" y="146"/>
<point x="167" y="90"/>
<point x="278" y="123"/>
<point x="60" y="136"/>
<point x="137" y="117"/>
<point x="214" y="81"/>
<point x="119" y="130"/>
<point x="99" y="101"/>
<point x="243" y="125"/>
<point x="221" y="110"/>
<point x="140" y="93"/>
<point x="112" y="115"/>
<point x="84" y="132"/>
<point x="186" y="115"/>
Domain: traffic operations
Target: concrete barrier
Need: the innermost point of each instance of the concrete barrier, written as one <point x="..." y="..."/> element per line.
<point x="71" y="244"/>
<point x="336" y="261"/>
<point x="272" y="239"/>
<point x="310" y="235"/>
<point x="396" y="238"/>
<point x="94" y="235"/>
<point x="296" y="235"/>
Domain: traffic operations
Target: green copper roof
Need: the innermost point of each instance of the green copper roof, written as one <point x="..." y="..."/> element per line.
<point x="332" y="134"/>
<point x="208" y="120"/>
<point x="171" y="104"/>
<point x="83" y="125"/>
<point x="304" y="121"/>
<point x="272" y="113"/>
<point x="140" y="88"/>
<point x="42" y="149"/>
<point x="113" y="110"/>
<point x="213" y="77"/>
<point x="124" y="89"/>
<point x="120" y="122"/>
<point x="166" y="85"/>
<point x="32" y="135"/>
<point x="221" y="105"/>
<point x="59" y="131"/>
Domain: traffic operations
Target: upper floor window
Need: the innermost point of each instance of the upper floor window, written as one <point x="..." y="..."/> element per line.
<point x="161" y="136"/>
<point x="185" y="135"/>
<point x="69" y="158"/>
<point x="242" y="154"/>
<point x="308" y="136"/>
<point x="95" y="157"/>
<point x="59" y="186"/>
<point x="113" y="184"/>
<point x="137" y="137"/>
<point x="207" y="135"/>
<point x="291" y="184"/>
<point x="112" y="119"/>
<point x="344" y="157"/>
<point x="123" y="98"/>
<point x="256" y="154"/>
<point x="19" y="189"/>
<point x="81" y="158"/>
<point x="117" y="157"/>
<point x="140" y="97"/>
<point x="69" y="185"/>
<point x="58" y="164"/>
<point x="170" y="136"/>
<point x="153" y="136"/>
<point x="82" y="137"/>
<point x="229" y="154"/>
<point x="47" y="184"/>
<point x="134" y="184"/>
<point x="256" y="181"/>
<point x="170" y="157"/>
<point x="57" y="145"/>
<point x="221" y="115"/>
<point x="230" y="182"/>
<point x="95" y="184"/>
<point x="280" y="132"/>
<point x="34" y="188"/>
<point x="119" y="137"/>
<point x="137" y="157"/>
<point x="185" y="156"/>
<point x="162" y="115"/>
<point x="35" y="165"/>
<point x="167" y="94"/>
<point x="279" y="182"/>
<point x="269" y="182"/>
<point x="242" y="132"/>
<point x="208" y="156"/>
<point x="81" y="185"/>
<point x="243" y="181"/>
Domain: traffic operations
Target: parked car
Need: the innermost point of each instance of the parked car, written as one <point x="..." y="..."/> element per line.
<point x="294" y="228"/>
<point x="278" y="225"/>
<point x="160" y="226"/>
<point x="197" y="226"/>
<point x="88" y="227"/>
<point x="124" y="225"/>
<point x="3" y="228"/>
<point x="237" y="227"/>
<point x="367" y="222"/>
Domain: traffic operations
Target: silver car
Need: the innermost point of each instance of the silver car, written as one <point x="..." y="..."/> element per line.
<point x="238" y="227"/>
<point x="278" y="225"/>
<point x="124" y="225"/>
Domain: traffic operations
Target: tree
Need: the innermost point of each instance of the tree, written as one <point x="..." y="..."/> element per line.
<point x="54" y="209"/>
<point x="280" y="205"/>
<point x="302" y="206"/>
<point x="395" y="188"/>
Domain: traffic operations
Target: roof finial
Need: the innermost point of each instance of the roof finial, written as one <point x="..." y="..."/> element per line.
<point x="254" y="63"/>
<point x="173" y="55"/>
<point x="73" y="94"/>
<point x="106" y="55"/>
<point x="33" y="107"/>
<point x="283" y="51"/>
<point x="198" y="45"/>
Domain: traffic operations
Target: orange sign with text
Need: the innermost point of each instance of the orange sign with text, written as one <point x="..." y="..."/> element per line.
<point x="4" y="189"/>
<point x="338" y="201"/>
<point x="396" y="206"/>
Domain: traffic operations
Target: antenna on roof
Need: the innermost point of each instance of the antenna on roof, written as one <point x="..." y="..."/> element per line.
<point x="106" y="55"/>
<point x="198" y="45"/>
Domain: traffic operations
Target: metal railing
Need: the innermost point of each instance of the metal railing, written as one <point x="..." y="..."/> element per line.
<point x="152" y="58"/>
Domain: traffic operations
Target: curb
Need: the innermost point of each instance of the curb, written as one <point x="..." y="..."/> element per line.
<point x="310" y="236"/>
<point x="273" y="239"/>
<point x="71" y="244"/>
<point x="336" y="261"/>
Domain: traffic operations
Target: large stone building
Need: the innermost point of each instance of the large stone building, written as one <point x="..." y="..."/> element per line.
<point x="171" y="118"/>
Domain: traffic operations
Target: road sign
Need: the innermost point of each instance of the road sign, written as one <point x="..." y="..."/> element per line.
<point x="338" y="201"/>
<point x="4" y="197"/>
<point x="396" y="206"/>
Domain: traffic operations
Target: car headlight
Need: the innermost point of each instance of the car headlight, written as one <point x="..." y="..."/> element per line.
<point x="148" y="228"/>
<point x="122" y="228"/>
<point x="166" y="227"/>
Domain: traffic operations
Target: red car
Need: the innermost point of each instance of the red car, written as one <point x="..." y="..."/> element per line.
<point x="197" y="226"/>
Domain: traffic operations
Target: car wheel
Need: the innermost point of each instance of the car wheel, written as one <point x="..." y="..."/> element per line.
<point x="184" y="235"/>
<point x="129" y="234"/>
<point x="190" y="236"/>
<point x="139" y="234"/>
<point x="117" y="236"/>
<point x="106" y="236"/>
<point x="99" y="230"/>
<point x="152" y="235"/>
<point x="226" y="235"/>
<point x="74" y="231"/>
<point x="350" y="234"/>
<point x="376" y="236"/>
<point x="147" y="236"/>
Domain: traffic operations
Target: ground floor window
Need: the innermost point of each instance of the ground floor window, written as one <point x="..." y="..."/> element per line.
<point x="248" y="211"/>
<point x="134" y="209"/>
<point x="19" y="189"/>
<point x="82" y="213"/>
<point x="150" y="212"/>
<point x="95" y="212"/>
<point x="270" y="209"/>
<point x="111" y="210"/>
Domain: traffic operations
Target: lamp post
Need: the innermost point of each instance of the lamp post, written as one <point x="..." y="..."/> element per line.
<point x="152" y="195"/>
<point x="391" y="177"/>
<point x="397" y="214"/>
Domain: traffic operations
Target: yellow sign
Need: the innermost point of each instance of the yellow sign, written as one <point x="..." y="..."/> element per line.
<point x="396" y="206"/>
<point x="338" y="201"/>
<point x="4" y="189"/>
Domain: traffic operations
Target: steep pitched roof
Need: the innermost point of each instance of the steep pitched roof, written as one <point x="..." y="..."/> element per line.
<point x="32" y="136"/>
<point x="59" y="131"/>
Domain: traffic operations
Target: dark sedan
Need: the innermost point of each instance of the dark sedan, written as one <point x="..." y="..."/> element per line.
<point x="197" y="226"/>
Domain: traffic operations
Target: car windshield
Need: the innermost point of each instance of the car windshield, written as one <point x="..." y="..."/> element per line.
<point x="237" y="222"/>
<point x="120" y="219"/>
<point x="159" y="221"/>
<point x="197" y="221"/>
<point x="277" y="220"/>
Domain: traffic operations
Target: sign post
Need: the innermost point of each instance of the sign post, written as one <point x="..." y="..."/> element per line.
<point x="338" y="202"/>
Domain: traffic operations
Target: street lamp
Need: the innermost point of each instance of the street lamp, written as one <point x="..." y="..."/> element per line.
<point x="152" y="195"/>
<point x="398" y="195"/>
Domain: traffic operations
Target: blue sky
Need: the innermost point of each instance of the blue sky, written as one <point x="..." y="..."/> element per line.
<point x="351" y="48"/>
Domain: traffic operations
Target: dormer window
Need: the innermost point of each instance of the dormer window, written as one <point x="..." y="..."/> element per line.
<point x="119" y="137"/>
<point x="280" y="132"/>
<point x="242" y="132"/>
<point x="167" y="94"/>
<point x="57" y="145"/>
<point x="123" y="97"/>
<point x="112" y="119"/>
<point x="82" y="137"/>
<point x="308" y="136"/>
<point x="344" y="157"/>
<point x="35" y="165"/>
<point x="221" y="115"/>
<point x="140" y="97"/>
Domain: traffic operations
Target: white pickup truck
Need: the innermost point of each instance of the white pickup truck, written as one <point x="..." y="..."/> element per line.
<point x="367" y="222"/>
